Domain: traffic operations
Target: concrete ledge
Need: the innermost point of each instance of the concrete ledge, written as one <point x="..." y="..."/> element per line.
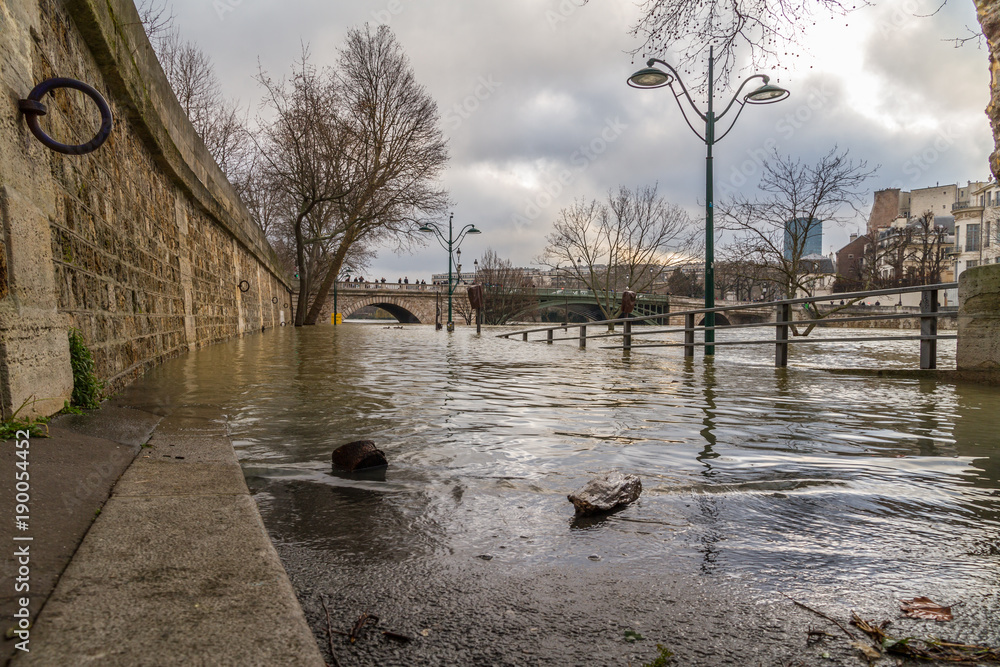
<point x="178" y="569"/>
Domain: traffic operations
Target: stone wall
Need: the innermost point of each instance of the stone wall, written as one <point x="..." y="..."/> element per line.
<point x="979" y="319"/>
<point x="142" y="244"/>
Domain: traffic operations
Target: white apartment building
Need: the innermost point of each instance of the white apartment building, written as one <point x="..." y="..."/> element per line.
<point x="977" y="228"/>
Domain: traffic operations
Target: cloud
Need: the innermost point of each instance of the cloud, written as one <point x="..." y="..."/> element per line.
<point x="534" y="103"/>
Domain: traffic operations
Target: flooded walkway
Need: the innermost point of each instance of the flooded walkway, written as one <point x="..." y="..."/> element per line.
<point x="841" y="491"/>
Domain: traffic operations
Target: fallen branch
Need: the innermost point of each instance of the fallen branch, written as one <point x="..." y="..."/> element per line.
<point x="821" y="614"/>
<point x="926" y="649"/>
<point x="329" y="632"/>
<point x="364" y="619"/>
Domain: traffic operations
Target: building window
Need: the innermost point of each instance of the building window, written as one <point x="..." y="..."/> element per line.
<point x="971" y="237"/>
<point x="986" y="235"/>
<point x="972" y="263"/>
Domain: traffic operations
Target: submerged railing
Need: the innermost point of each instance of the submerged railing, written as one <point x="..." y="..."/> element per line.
<point x="928" y="315"/>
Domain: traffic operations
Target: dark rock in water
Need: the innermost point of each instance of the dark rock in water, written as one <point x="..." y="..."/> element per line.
<point x="605" y="493"/>
<point x="358" y="455"/>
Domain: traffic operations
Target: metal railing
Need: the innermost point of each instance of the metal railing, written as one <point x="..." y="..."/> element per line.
<point x="928" y="315"/>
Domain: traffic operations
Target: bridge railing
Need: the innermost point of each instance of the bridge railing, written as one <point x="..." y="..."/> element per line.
<point x="402" y="287"/>
<point x="928" y="314"/>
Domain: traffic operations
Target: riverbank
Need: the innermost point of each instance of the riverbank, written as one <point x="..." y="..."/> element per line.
<point x="756" y="482"/>
<point x="146" y="548"/>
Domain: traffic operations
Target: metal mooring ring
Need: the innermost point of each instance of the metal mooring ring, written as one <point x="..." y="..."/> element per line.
<point x="244" y="286"/>
<point x="32" y="108"/>
<point x="274" y="299"/>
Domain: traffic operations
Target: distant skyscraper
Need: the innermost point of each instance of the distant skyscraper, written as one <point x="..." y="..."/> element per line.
<point x="809" y="234"/>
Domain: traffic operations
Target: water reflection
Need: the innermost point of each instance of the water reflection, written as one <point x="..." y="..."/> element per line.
<point x="832" y="487"/>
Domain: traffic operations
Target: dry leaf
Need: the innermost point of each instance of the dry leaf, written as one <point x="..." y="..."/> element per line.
<point x="870" y="651"/>
<point x="925" y="608"/>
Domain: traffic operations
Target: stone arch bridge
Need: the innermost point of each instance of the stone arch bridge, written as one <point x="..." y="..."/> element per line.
<point x="418" y="304"/>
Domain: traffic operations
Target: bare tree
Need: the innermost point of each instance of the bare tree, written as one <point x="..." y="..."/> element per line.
<point x="220" y="122"/>
<point x="928" y="250"/>
<point x="747" y="280"/>
<point x="629" y="242"/>
<point x="396" y="150"/>
<point x="765" y="27"/>
<point x="157" y="19"/>
<point x="681" y="284"/>
<point x="772" y="229"/>
<point x="302" y="149"/>
<point x="508" y="291"/>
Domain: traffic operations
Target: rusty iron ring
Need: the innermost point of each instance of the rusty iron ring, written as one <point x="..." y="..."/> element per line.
<point x="274" y="299"/>
<point x="32" y="108"/>
<point x="244" y="286"/>
<point x="285" y="306"/>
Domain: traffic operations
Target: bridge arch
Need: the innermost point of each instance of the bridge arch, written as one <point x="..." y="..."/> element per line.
<point x="405" y="307"/>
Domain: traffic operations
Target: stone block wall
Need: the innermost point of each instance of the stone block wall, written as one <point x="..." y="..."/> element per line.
<point x="979" y="319"/>
<point x="142" y="245"/>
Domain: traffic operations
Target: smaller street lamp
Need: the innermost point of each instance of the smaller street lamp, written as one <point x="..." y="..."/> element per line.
<point x="450" y="245"/>
<point x="339" y="278"/>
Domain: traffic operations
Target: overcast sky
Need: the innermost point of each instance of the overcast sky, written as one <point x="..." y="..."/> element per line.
<point x="531" y="91"/>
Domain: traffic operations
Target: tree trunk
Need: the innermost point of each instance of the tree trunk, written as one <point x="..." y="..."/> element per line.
<point x="989" y="19"/>
<point x="331" y="275"/>
<point x="300" y="307"/>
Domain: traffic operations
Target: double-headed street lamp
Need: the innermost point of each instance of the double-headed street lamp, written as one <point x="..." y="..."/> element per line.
<point x="651" y="77"/>
<point x="450" y="245"/>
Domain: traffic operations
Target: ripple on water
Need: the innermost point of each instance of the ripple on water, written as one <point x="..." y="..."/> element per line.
<point x="834" y="487"/>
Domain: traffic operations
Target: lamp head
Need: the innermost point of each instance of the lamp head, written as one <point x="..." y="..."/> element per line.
<point x="473" y="230"/>
<point x="766" y="94"/>
<point x="650" y="77"/>
<point x="425" y="228"/>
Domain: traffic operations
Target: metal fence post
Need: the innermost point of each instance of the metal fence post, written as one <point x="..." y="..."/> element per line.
<point x="783" y="313"/>
<point x="583" y="336"/>
<point x="928" y="329"/>
<point x="627" y="338"/>
<point x="689" y="335"/>
<point x="524" y="336"/>
<point x="548" y="336"/>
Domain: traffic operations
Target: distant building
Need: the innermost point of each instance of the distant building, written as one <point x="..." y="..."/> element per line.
<point x="850" y="262"/>
<point x="977" y="228"/>
<point x="807" y="234"/>
<point x="819" y="275"/>
<point x="893" y="203"/>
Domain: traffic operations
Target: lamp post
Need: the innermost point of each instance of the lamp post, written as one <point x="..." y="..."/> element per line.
<point x="450" y="245"/>
<point x="651" y="77"/>
<point x="335" y="311"/>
